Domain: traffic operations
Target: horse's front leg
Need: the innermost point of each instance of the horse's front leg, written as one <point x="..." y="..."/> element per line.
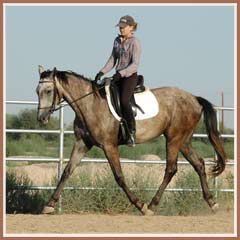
<point x="111" y="152"/>
<point x="78" y="152"/>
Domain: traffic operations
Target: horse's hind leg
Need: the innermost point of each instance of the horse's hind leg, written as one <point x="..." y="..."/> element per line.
<point x="112" y="155"/>
<point x="198" y="164"/>
<point x="78" y="153"/>
<point x="170" y="171"/>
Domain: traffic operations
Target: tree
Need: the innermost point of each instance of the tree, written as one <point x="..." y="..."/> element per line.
<point x="27" y="119"/>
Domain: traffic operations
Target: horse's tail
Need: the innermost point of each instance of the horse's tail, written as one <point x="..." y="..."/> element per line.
<point x="210" y="120"/>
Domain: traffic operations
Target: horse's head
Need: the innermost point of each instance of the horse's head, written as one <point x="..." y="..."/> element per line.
<point x="48" y="95"/>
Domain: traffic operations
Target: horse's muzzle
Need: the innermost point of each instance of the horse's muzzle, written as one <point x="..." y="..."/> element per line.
<point x="43" y="117"/>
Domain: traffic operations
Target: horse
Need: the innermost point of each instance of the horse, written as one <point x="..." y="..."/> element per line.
<point x="94" y="125"/>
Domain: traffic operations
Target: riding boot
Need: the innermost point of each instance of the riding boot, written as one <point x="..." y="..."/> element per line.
<point x="132" y="133"/>
<point x="132" y="128"/>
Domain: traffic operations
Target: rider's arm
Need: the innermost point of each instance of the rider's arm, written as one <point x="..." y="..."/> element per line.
<point x="110" y="63"/>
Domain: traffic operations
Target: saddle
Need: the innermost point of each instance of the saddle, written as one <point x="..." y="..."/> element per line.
<point x="115" y="97"/>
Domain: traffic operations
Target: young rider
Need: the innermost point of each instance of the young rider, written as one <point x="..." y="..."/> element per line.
<point x="125" y="56"/>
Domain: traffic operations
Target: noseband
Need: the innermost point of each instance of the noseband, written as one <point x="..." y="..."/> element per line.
<point x="52" y="107"/>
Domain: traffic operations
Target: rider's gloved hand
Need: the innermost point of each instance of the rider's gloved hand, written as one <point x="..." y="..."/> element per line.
<point x="98" y="77"/>
<point x="116" y="77"/>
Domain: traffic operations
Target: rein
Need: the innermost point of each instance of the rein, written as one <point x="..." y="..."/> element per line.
<point x="52" y="108"/>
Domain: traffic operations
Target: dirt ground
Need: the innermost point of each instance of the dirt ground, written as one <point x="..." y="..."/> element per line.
<point x="219" y="223"/>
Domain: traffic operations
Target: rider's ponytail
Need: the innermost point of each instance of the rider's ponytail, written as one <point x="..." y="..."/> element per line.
<point x="135" y="26"/>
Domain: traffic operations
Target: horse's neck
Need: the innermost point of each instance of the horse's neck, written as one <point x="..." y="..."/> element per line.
<point x="92" y="110"/>
<point x="74" y="91"/>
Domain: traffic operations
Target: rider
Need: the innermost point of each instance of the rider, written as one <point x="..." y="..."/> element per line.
<point x="126" y="56"/>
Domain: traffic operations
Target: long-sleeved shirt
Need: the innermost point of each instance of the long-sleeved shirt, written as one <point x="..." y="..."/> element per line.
<point x="126" y="56"/>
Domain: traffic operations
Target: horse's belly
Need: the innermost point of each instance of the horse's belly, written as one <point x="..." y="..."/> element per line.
<point x="150" y="129"/>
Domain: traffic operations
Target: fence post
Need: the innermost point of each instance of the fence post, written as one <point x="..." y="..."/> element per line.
<point x="61" y="146"/>
<point x="216" y="178"/>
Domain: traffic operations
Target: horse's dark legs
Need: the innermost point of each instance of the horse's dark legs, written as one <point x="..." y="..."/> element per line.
<point x="171" y="169"/>
<point x="198" y="164"/>
<point x="78" y="153"/>
<point x="112" y="155"/>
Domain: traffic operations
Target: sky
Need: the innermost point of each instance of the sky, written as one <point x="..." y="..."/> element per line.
<point x="186" y="46"/>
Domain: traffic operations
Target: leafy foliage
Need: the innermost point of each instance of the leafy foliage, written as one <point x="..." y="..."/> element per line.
<point x="109" y="197"/>
<point x="20" y="200"/>
<point x="27" y="119"/>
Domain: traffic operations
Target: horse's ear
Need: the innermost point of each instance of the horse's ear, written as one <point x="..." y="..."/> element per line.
<point x="40" y="69"/>
<point x="54" y="71"/>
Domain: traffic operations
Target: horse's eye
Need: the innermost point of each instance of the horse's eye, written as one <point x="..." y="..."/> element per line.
<point x="49" y="92"/>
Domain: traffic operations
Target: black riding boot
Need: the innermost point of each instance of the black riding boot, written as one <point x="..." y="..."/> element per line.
<point x="132" y="128"/>
<point x="132" y="133"/>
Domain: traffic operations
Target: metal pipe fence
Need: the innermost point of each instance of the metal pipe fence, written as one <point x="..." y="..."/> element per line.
<point x="60" y="160"/>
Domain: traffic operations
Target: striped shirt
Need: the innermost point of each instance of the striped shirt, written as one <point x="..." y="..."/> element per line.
<point x="126" y="56"/>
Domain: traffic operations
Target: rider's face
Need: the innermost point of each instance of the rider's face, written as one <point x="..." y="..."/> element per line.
<point x="126" y="31"/>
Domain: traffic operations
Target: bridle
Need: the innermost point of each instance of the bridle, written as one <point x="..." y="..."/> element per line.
<point x="55" y="92"/>
<point x="53" y="108"/>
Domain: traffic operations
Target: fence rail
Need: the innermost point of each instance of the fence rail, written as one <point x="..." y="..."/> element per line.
<point x="71" y="132"/>
<point x="60" y="160"/>
<point x="98" y="160"/>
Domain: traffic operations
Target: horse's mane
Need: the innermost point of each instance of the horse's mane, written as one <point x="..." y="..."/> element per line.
<point x="63" y="75"/>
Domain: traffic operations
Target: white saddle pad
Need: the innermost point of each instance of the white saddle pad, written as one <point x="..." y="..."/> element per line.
<point x="146" y="100"/>
<point x="148" y="103"/>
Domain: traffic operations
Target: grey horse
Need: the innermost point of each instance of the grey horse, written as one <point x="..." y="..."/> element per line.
<point x="94" y="125"/>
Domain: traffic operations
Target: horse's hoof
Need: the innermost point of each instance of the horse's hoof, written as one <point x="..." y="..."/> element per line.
<point x="146" y="211"/>
<point x="47" y="210"/>
<point x="215" y="207"/>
